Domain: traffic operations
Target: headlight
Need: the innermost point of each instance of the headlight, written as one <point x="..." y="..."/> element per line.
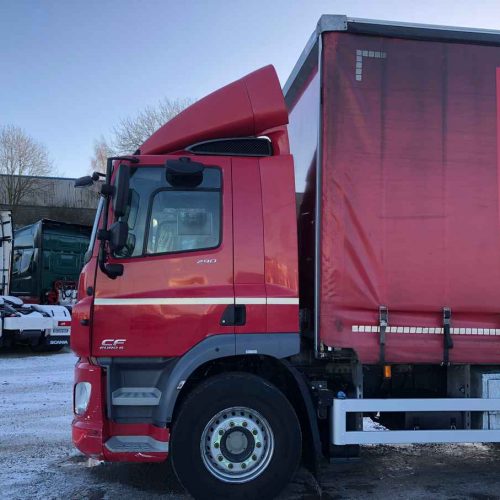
<point x="82" y="397"/>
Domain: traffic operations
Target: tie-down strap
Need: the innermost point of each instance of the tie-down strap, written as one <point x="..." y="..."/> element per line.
<point x="383" y="315"/>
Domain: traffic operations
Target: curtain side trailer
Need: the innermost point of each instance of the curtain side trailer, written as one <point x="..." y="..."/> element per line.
<point x="394" y="133"/>
<point x="272" y="266"/>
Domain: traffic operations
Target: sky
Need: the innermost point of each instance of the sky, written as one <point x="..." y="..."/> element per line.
<point x="71" y="70"/>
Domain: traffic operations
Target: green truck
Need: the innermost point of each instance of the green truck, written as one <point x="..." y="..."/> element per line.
<point x="46" y="262"/>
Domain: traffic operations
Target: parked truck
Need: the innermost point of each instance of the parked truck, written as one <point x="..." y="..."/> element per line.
<point x="271" y="266"/>
<point x="5" y="250"/>
<point x="42" y="327"/>
<point x="47" y="260"/>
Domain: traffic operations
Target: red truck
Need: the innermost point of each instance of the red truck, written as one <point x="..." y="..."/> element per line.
<point x="271" y="266"/>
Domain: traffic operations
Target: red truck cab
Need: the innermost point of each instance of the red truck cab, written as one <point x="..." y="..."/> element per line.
<point x="207" y="271"/>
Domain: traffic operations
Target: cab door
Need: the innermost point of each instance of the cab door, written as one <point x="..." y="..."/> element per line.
<point x="177" y="277"/>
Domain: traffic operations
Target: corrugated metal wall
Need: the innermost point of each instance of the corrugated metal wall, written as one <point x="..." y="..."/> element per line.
<point x="55" y="192"/>
<point x="52" y="198"/>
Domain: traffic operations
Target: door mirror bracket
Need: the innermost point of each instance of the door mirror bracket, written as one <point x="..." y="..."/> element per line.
<point x="115" y="234"/>
<point x="184" y="172"/>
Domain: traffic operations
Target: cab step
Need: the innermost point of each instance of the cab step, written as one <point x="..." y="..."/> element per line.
<point x="136" y="396"/>
<point x="134" y="444"/>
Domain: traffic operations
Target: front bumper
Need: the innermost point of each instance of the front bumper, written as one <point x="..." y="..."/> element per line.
<point x="91" y="431"/>
<point x="27" y="337"/>
<point x="88" y="428"/>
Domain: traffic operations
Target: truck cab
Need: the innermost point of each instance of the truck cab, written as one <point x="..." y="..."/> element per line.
<point x="47" y="260"/>
<point x="192" y="267"/>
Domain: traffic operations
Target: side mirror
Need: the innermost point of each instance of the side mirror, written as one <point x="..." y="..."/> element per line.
<point x="84" y="181"/>
<point x="118" y="233"/>
<point x="184" y="172"/>
<point x="88" y="180"/>
<point x="120" y="196"/>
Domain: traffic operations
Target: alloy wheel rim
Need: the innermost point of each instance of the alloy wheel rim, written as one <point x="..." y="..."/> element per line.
<point x="237" y="445"/>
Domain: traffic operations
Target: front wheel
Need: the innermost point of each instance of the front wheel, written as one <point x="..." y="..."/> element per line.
<point x="235" y="436"/>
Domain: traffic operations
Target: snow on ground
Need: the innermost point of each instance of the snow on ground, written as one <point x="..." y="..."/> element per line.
<point x="38" y="460"/>
<point x="37" y="457"/>
<point x="35" y="415"/>
<point x="370" y="425"/>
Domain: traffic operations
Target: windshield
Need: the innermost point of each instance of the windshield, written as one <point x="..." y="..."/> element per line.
<point x="93" y="235"/>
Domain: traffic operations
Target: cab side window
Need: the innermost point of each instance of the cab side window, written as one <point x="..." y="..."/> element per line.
<point x="184" y="221"/>
<point x="22" y="261"/>
<point x="163" y="218"/>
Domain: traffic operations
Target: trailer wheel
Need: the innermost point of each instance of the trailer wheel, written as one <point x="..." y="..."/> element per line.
<point x="235" y="436"/>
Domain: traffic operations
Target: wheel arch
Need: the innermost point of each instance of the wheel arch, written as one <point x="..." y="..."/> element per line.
<point x="279" y="372"/>
<point x="213" y="348"/>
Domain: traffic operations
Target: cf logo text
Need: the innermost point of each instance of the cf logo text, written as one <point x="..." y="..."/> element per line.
<point x="116" y="344"/>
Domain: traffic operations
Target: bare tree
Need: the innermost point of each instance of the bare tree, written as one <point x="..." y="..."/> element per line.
<point x="102" y="150"/>
<point x="131" y="132"/>
<point x="21" y="157"/>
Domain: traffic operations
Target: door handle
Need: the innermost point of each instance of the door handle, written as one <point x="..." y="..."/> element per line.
<point x="84" y="322"/>
<point x="234" y="315"/>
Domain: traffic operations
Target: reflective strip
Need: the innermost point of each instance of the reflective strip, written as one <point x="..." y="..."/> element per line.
<point x="425" y="330"/>
<point x="250" y="300"/>
<point x="196" y="301"/>
<point x="269" y="300"/>
<point x="164" y="301"/>
<point x="359" y="60"/>
<point x="284" y="300"/>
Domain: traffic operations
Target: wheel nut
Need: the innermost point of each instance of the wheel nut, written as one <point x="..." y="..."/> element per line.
<point x="216" y="445"/>
<point x="243" y="466"/>
<point x="254" y="432"/>
<point x="258" y="445"/>
<point x="254" y="457"/>
<point x="220" y="458"/>
<point x="231" y="424"/>
<point x="230" y="466"/>
<point x="221" y="432"/>
<point x="244" y="424"/>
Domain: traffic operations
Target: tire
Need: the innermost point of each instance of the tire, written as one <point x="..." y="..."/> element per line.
<point x="245" y="422"/>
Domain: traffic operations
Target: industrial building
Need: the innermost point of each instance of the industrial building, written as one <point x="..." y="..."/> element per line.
<point x="48" y="198"/>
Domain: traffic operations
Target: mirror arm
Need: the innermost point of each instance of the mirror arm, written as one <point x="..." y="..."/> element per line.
<point x="104" y="233"/>
<point x="110" y="270"/>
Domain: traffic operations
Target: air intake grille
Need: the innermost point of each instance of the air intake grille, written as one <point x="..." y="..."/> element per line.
<point x="243" y="146"/>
